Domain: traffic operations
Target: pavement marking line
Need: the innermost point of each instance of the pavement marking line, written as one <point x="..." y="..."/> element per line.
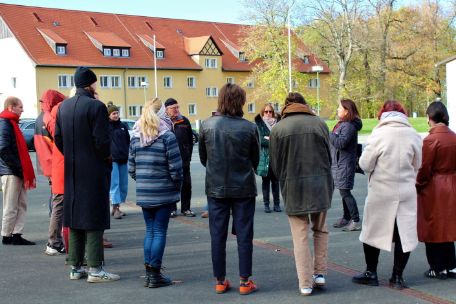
<point x="331" y="266"/>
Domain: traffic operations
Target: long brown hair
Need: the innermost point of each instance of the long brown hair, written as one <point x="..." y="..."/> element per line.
<point x="263" y="108"/>
<point x="231" y="100"/>
<point x="352" y="110"/>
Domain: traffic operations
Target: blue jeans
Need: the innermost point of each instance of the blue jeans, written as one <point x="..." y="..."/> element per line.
<point x="157" y="220"/>
<point x="119" y="183"/>
<point x="243" y="210"/>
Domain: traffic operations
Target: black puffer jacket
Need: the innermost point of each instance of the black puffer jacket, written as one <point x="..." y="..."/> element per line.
<point x="10" y="164"/>
<point x="184" y="135"/>
<point x="120" y="141"/>
<point x="229" y="149"/>
<point x="344" y="140"/>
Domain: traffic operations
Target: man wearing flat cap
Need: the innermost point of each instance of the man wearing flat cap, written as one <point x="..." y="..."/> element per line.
<point x="184" y="135"/>
<point x="82" y="135"/>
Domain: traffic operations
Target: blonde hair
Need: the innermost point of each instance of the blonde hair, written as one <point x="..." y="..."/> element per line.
<point x="150" y="121"/>
<point x="156" y="104"/>
<point x="11" y="101"/>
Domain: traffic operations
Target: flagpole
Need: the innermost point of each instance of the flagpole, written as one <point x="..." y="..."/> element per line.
<point x="289" y="51"/>
<point x="155" y="69"/>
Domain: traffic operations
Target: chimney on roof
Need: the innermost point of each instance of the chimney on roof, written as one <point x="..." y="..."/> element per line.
<point x="37" y="17"/>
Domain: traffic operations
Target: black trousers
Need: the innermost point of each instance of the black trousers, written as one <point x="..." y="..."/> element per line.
<point x="371" y="255"/>
<point x="243" y="210"/>
<point x="186" y="191"/>
<point x="270" y="179"/>
<point x="350" y="207"/>
<point x="441" y="256"/>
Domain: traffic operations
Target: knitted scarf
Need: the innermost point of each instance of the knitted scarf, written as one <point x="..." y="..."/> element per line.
<point x="26" y="163"/>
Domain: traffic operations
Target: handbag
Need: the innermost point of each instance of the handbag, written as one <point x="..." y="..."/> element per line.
<point x="359" y="150"/>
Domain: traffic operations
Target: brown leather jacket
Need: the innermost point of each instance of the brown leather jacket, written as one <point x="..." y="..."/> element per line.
<point x="436" y="185"/>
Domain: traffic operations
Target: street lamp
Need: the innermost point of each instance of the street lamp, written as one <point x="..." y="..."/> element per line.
<point x="144" y="85"/>
<point x="318" y="69"/>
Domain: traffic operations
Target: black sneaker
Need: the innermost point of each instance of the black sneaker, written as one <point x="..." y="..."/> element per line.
<point x="7" y="240"/>
<point x="366" y="278"/>
<point x="432" y="274"/>
<point x="173" y="214"/>
<point x="19" y="240"/>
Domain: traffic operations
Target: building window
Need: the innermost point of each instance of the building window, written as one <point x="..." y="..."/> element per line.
<point x="132" y="111"/>
<point x="168" y="82"/>
<point x="191" y="82"/>
<point x="107" y="52"/>
<point x="142" y="81"/>
<point x="160" y="54"/>
<point x="140" y="110"/>
<point x="116" y="52"/>
<point x="132" y="82"/>
<point x="13" y="82"/>
<point x="305" y="59"/>
<point x="313" y="83"/>
<point x="125" y="53"/>
<point x="66" y="81"/>
<point x="210" y="63"/>
<point x="212" y="92"/>
<point x="251" y="108"/>
<point x="60" y="50"/>
<point x="230" y="80"/>
<point x="191" y="109"/>
<point x="250" y="84"/>
<point x="242" y="56"/>
<point x="110" y="81"/>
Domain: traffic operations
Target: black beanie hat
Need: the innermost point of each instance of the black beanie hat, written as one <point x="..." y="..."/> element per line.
<point x="84" y="77"/>
<point x="170" y="102"/>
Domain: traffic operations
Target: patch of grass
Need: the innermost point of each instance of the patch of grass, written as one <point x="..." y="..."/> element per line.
<point x="419" y="123"/>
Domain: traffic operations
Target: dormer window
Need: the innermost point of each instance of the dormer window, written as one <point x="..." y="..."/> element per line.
<point x="109" y="44"/>
<point x="107" y="52"/>
<point x="160" y="54"/>
<point x="116" y="52"/>
<point x="242" y="56"/>
<point x="125" y="53"/>
<point x="305" y="59"/>
<point x="60" y="49"/>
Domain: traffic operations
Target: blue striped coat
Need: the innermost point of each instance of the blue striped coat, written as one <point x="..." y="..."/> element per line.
<point x="157" y="170"/>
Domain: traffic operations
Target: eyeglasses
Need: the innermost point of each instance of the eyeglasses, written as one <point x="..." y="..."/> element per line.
<point x="267" y="111"/>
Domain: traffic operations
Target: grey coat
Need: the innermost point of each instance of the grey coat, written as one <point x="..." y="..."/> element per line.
<point x="344" y="140"/>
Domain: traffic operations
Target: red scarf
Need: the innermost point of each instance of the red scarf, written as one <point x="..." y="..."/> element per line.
<point x="26" y="162"/>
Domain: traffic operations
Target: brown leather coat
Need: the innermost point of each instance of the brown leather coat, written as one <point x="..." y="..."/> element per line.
<point x="436" y="185"/>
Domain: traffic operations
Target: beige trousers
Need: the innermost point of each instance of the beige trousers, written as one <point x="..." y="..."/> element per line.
<point x="14" y="205"/>
<point x="306" y="266"/>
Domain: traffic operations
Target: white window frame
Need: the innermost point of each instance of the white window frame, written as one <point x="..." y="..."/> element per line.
<point x="60" y="50"/>
<point x="110" y="81"/>
<point x="125" y="53"/>
<point x="107" y="52"/>
<point x="230" y="80"/>
<point x="113" y="82"/>
<point x="251" y="107"/>
<point x="132" y="82"/>
<point x="313" y="83"/>
<point x="168" y="82"/>
<point x="195" y="109"/>
<point x="210" y="63"/>
<point x="104" y="81"/>
<point x="191" y="82"/>
<point x="212" y="92"/>
<point x="115" y="52"/>
<point x="133" y="111"/>
<point x="160" y="54"/>
<point x="68" y="79"/>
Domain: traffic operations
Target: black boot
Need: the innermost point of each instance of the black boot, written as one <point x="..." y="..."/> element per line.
<point x="366" y="278"/>
<point x="266" y="208"/>
<point x="19" y="240"/>
<point x="277" y="207"/>
<point x="7" y="240"/>
<point x="396" y="281"/>
<point x="148" y="275"/>
<point x="157" y="279"/>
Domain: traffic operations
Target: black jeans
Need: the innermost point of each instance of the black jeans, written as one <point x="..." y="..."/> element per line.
<point x="350" y="206"/>
<point x="371" y="255"/>
<point x="270" y="179"/>
<point x="243" y="210"/>
<point x="186" y="191"/>
<point x="441" y="256"/>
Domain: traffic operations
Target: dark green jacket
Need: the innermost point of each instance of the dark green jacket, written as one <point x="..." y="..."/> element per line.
<point x="263" y="130"/>
<point x="300" y="158"/>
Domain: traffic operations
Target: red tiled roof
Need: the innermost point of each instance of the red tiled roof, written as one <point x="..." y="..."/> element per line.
<point x="71" y="26"/>
<point x="150" y="41"/>
<point x="53" y="36"/>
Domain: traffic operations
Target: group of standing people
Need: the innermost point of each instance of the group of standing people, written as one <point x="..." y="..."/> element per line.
<point x="87" y="149"/>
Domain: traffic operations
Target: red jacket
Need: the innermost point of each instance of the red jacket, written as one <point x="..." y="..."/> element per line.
<point x="57" y="157"/>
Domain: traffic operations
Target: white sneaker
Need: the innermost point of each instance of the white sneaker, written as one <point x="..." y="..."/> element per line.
<point x="77" y="273"/>
<point x="319" y="280"/>
<point x="50" y="250"/>
<point x="305" y="291"/>
<point x="102" y="277"/>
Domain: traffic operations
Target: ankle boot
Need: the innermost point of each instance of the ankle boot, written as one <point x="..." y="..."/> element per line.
<point x="396" y="281"/>
<point x="366" y="278"/>
<point x="148" y="275"/>
<point x="157" y="279"/>
<point x="266" y="208"/>
<point x="277" y="207"/>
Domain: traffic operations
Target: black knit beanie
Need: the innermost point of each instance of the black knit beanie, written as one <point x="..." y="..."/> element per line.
<point x="84" y="77"/>
<point x="170" y="102"/>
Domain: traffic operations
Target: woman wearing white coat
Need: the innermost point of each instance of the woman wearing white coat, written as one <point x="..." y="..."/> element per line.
<point x="391" y="159"/>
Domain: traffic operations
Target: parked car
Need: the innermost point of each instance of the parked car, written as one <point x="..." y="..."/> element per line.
<point x="27" y="127"/>
<point x="130" y="123"/>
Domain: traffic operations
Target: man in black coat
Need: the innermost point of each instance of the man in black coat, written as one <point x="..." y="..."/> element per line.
<point x="184" y="135"/>
<point x="82" y="135"/>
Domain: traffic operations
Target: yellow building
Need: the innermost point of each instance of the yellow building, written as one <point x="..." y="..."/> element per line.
<point x="193" y="59"/>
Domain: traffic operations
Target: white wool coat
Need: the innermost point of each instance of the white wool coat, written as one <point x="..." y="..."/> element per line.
<point x="391" y="159"/>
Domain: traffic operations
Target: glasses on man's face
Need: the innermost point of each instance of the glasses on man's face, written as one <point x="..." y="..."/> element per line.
<point x="267" y="111"/>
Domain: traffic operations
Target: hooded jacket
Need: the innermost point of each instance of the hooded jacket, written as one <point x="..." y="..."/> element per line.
<point x="344" y="141"/>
